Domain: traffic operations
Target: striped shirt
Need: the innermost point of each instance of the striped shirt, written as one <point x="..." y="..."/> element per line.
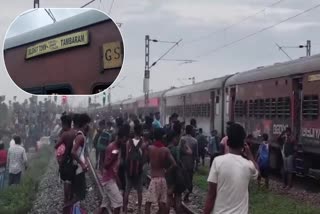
<point x="17" y="159"/>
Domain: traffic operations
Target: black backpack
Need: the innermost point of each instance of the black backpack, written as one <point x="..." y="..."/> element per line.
<point x="135" y="159"/>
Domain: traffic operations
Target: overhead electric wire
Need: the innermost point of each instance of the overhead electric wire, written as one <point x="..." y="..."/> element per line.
<point x="257" y="32"/>
<point x="281" y="49"/>
<point x="176" y="44"/>
<point x="87" y="4"/>
<point x="234" y="24"/>
<point x="111" y="7"/>
<point x="29" y="12"/>
<point x="49" y="14"/>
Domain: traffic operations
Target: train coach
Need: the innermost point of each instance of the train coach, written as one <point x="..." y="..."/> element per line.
<point x="270" y="99"/>
<point x="202" y="101"/>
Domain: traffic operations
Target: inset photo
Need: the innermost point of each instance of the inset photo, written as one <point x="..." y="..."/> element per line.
<point x="63" y="51"/>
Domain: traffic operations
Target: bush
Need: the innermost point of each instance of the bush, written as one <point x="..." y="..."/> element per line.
<point x="18" y="199"/>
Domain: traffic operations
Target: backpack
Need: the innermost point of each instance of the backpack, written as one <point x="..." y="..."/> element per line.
<point x="263" y="156"/>
<point x="103" y="141"/>
<point x="135" y="159"/>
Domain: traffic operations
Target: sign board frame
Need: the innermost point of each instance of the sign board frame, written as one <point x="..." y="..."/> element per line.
<point x="112" y="55"/>
<point x="71" y="40"/>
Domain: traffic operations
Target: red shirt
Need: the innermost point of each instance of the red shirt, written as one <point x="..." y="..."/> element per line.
<point x="3" y="158"/>
<point x="112" y="156"/>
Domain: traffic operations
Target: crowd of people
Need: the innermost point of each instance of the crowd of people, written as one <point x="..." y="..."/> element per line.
<point x="128" y="150"/>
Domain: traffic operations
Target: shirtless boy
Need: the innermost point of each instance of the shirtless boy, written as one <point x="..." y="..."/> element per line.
<point x="160" y="159"/>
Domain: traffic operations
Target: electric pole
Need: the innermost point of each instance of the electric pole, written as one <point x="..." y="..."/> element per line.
<point x="36" y="4"/>
<point x="146" y="70"/>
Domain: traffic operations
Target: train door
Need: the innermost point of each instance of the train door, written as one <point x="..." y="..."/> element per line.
<point x="296" y="114"/>
<point x="212" y="109"/>
<point x="232" y="103"/>
<point x="296" y="105"/>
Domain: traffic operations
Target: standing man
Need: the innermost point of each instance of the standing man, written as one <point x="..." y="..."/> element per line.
<point x="202" y="143"/>
<point x="288" y="144"/>
<point x="17" y="160"/>
<point x="78" y="150"/>
<point x="156" y="122"/>
<point x="135" y="152"/>
<point x="101" y="127"/>
<point x="224" y="142"/>
<point x="3" y="164"/>
<point x="213" y="146"/>
<point x="229" y="176"/>
<point x="160" y="158"/>
<point x="110" y="178"/>
<point x="63" y="151"/>
<point x="188" y="159"/>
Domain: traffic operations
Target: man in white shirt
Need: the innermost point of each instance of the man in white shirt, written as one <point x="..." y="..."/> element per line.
<point x="17" y="160"/>
<point x="230" y="175"/>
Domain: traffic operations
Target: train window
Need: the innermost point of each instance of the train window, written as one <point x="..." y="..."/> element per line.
<point x="251" y="107"/>
<point x="208" y="110"/>
<point x="273" y="108"/>
<point x="239" y="108"/>
<point x="58" y="89"/>
<point x="260" y="108"/>
<point x="283" y="107"/>
<point x="255" y="108"/>
<point x="203" y="110"/>
<point x="310" y="107"/>
<point x="267" y="108"/>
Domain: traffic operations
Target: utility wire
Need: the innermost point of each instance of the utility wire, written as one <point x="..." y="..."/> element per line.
<point x="257" y="32"/>
<point x="281" y="49"/>
<point x="111" y="7"/>
<point x="234" y="24"/>
<point x="52" y="15"/>
<point x="29" y="12"/>
<point x="87" y="4"/>
<point x="176" y="44"/>
<point x="53" y="19"/>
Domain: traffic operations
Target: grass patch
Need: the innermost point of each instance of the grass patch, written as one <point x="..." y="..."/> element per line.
<point x="262" y="201"/>
<point x="18" y="199"/>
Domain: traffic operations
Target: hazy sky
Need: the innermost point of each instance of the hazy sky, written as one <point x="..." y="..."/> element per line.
<point x="191" y="21"/>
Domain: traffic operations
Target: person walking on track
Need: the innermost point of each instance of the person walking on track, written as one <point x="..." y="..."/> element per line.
<point x="189" y="160"/>
<point x="110" y="178"/>
<point x="3" y="164"/>
<point x="160" y="158"/>
<point x="17" y="161"/>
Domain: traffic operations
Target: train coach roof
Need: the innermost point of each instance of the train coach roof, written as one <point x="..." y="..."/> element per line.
<point x="294" y="67"/>
<point x="75" y="22"/>
<point x="201" y="86"/>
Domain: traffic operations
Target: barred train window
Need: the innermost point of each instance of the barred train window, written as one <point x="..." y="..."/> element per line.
<point x="283" y="107"/>
<point x="239" y="108"/>
<point x="310" y="107"/>
<point x="251" y="108"/>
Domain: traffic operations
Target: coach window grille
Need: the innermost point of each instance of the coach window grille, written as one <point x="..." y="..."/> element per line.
<point x="238" y="108"/>
<point x="287" y="107"/>
<point x="261" y="108"/>
<point x="310" y="107"/>
<point x="273" y="108"/>
<point x="255" y="108"/>
<point x="245" y="108"/>
<point x="267" y="108"/>
<point x="251" y="106"/>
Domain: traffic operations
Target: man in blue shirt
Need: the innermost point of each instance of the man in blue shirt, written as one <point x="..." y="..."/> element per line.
<point x="156" y="123"/>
